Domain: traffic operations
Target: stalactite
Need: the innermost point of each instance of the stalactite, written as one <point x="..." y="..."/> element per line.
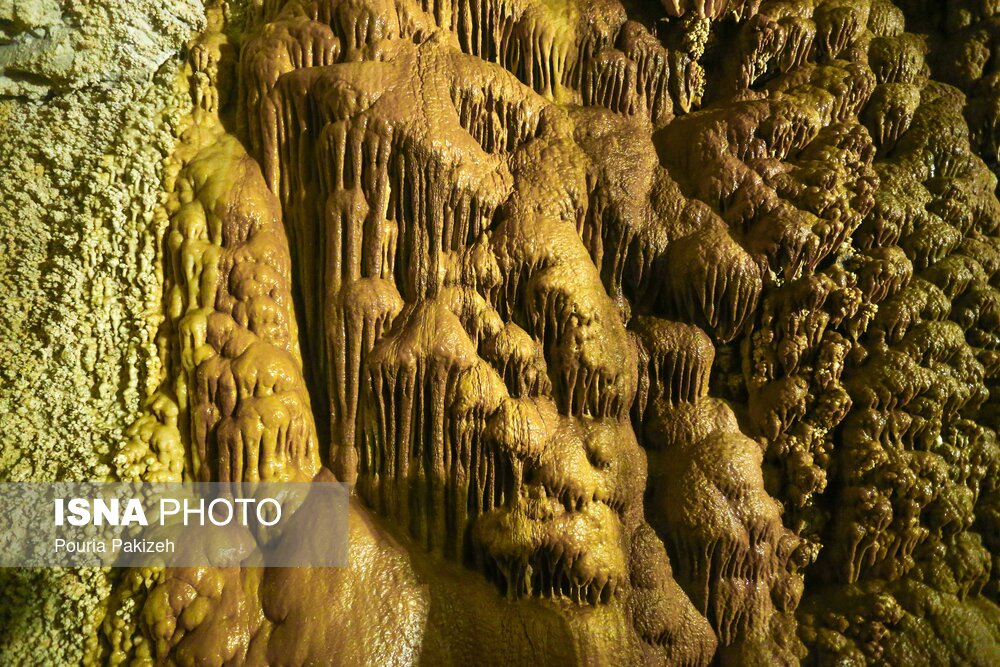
<point x="679" y="361"/>
<point x="720" y="288"/>
<point x="754" y="235"/>
<point x="741" y="543"/>
<point x="652" y="70"/>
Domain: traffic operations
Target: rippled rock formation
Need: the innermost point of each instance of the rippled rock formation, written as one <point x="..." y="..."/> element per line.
<point x="645" y="335"/>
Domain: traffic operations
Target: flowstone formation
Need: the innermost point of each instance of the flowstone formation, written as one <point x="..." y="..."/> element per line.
<point x="646" y="335"/>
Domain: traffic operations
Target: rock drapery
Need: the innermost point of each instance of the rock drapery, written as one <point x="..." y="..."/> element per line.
<point x="660" y="336"/>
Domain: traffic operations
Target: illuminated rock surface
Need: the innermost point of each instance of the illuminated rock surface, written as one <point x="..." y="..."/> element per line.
<point x="646" y="334"/>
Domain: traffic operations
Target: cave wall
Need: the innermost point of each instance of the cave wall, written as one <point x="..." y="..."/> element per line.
<point x="647" y="334"/>
<point x="89" y="106"/>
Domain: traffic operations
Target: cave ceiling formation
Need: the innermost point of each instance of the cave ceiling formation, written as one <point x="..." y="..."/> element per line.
<point x="646" y="333"/>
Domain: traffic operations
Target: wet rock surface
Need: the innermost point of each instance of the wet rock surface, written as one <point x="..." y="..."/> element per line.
<point x="646" y="335"/>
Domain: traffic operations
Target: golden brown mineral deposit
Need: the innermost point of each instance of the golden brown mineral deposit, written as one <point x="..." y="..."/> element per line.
<point x="647" y="333"/>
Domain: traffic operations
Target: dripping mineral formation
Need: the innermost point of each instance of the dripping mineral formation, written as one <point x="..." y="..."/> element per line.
<point x="646" y="333"/>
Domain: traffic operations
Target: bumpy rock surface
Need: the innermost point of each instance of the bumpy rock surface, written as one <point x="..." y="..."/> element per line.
<point x="88" y="114"/>
<point x="646" y="334"/>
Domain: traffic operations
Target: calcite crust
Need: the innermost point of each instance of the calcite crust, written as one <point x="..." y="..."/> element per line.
<point x="645" y="333"/>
